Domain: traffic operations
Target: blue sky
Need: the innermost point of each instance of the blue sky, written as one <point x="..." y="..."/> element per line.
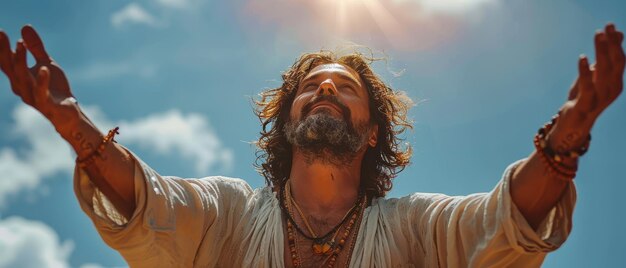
<point x="178" y="75"/>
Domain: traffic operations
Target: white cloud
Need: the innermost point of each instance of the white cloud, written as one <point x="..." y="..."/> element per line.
<point x="48" y="154"/>
<point x="132" y="13"/>
<point x="189" y="135"/>
<point x="168" y="133"/>
<point x="26" y="243"/>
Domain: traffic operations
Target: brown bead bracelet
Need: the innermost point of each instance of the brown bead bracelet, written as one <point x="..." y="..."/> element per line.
<point x="91" y="157"/>
<point x="543" y="144"/>
<point x="555" y="160"/>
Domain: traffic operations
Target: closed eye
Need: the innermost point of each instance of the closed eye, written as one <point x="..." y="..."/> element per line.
<point x="348" y="86"/>
<point x="310" y="86"/>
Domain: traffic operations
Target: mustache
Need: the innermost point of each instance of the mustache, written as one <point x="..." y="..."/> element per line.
<point x="328" y="98"/>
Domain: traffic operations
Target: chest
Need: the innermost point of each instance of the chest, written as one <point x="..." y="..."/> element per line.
<point x="263" y="242"/>
<point x="303" y="250"/>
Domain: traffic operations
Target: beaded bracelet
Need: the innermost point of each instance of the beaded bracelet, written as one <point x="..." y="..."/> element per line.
<point x="91" y="157"/>
<point x="555" y="160"/>
<point x="543" y="143"/>
<point x="562" y="173"/>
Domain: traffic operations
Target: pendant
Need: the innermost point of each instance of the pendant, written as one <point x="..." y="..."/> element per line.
<point x="323" y="247"/>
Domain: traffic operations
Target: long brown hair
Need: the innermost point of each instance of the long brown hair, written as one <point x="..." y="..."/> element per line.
<point x="388" y="109"/>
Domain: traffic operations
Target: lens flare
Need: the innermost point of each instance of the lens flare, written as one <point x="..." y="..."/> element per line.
<point x="398" y="24"/>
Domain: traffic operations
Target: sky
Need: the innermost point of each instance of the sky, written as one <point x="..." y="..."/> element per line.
<point x="179" y="76"/>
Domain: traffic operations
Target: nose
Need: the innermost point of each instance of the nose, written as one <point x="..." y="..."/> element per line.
<point x="327" y="88"/>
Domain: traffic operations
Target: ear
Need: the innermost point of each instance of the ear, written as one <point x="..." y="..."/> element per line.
<point x="373" y="140"/>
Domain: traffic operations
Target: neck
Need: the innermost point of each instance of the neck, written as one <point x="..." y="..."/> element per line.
<point x="321" y="187"/>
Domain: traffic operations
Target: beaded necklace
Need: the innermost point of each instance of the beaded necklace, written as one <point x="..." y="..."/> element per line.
<point x="333" y="249"/>
<point x="295" y="225"/>
<point x="322" y="245"/>
<point x="332" y="259"/>
<point x="356" y="233"/>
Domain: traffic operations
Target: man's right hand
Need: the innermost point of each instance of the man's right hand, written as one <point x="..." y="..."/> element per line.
<point x="42" y="86"/>
<point x="45" y="88"/>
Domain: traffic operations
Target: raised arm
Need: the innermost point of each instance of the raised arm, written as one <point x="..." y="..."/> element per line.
<point x="45" y="87"/>
<point x="534" y="189"/>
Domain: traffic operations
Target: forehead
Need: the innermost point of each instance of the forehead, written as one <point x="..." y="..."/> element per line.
<point x="334" y="69"/>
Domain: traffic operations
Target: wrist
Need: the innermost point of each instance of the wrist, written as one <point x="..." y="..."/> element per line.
<point x="560" y="148"/>
<point x="571" y="131"/>
<point x="66" y="119"/>
<point x="562" y="141"/>
<point x="80" y="133"/>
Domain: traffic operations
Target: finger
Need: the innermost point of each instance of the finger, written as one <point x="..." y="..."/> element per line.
<point x="6" y="55"/>
<point x="43" y="82"/>
<point x="586" y="78"/>
<point x="573" y="93"/>
<point x="22" y="76"/>
<point x="6" y="61"/>
<point x="586" y="93"/>
<point x="616" y="53"/>
<point x="35" y="45"/>
<point x="603" y="63"/>
<point x="602" y="74"/>
<point x="609" y="28"/>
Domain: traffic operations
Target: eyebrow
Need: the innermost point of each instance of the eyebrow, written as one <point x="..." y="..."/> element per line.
<point x="340" y="74"/>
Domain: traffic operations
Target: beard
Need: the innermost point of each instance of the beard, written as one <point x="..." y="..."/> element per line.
<point x="322" y="137"/>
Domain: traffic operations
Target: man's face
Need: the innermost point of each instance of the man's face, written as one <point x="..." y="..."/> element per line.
<point x="330" y="113"/>
<point x="326" y="82"/>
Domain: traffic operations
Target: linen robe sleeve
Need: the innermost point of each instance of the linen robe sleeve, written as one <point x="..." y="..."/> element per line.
<point x="171" y="219"/>
<point x="487" y="230"/>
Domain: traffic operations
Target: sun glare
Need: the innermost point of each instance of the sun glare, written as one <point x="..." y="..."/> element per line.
<point x="351" y="17"/>
<point x="398" y="24"/>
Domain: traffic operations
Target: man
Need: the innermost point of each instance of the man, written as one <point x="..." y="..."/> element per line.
<point x="329" y="149"/>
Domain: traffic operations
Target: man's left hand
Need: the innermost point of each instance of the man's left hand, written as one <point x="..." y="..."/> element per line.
<point x="596" y="87"/>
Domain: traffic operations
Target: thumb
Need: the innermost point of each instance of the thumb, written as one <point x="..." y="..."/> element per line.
<point x="42" y="87"/>
<point x="586" y="98"/>
<point x="573" y="92"/>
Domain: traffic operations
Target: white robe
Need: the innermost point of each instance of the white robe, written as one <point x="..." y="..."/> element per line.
<point x="222" y="222"/>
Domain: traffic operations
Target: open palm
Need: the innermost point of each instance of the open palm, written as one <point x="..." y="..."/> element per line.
<point x="598" y="85"/>
<point x="43" y="86"/>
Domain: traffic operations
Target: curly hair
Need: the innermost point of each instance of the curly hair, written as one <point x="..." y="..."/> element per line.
<point x="388" y="109"/>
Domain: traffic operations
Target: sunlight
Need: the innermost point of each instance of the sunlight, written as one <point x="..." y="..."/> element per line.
<point x="398" y="24"/>
<point x="341" y="16"/>
<point x="451" y="6"/>
<point x="391" y="28"/>
<point x="353" y="17"/>
<point x="345" y="13"/>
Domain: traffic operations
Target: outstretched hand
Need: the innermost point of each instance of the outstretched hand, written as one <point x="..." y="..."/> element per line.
<point x="597" y="86"/>
<point x="42" y="86"/>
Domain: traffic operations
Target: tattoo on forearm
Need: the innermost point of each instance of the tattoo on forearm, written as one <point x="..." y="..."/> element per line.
<point x="86" y="147"/>
<point x="571" y="140"/>
<point x="83" y="143"/>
